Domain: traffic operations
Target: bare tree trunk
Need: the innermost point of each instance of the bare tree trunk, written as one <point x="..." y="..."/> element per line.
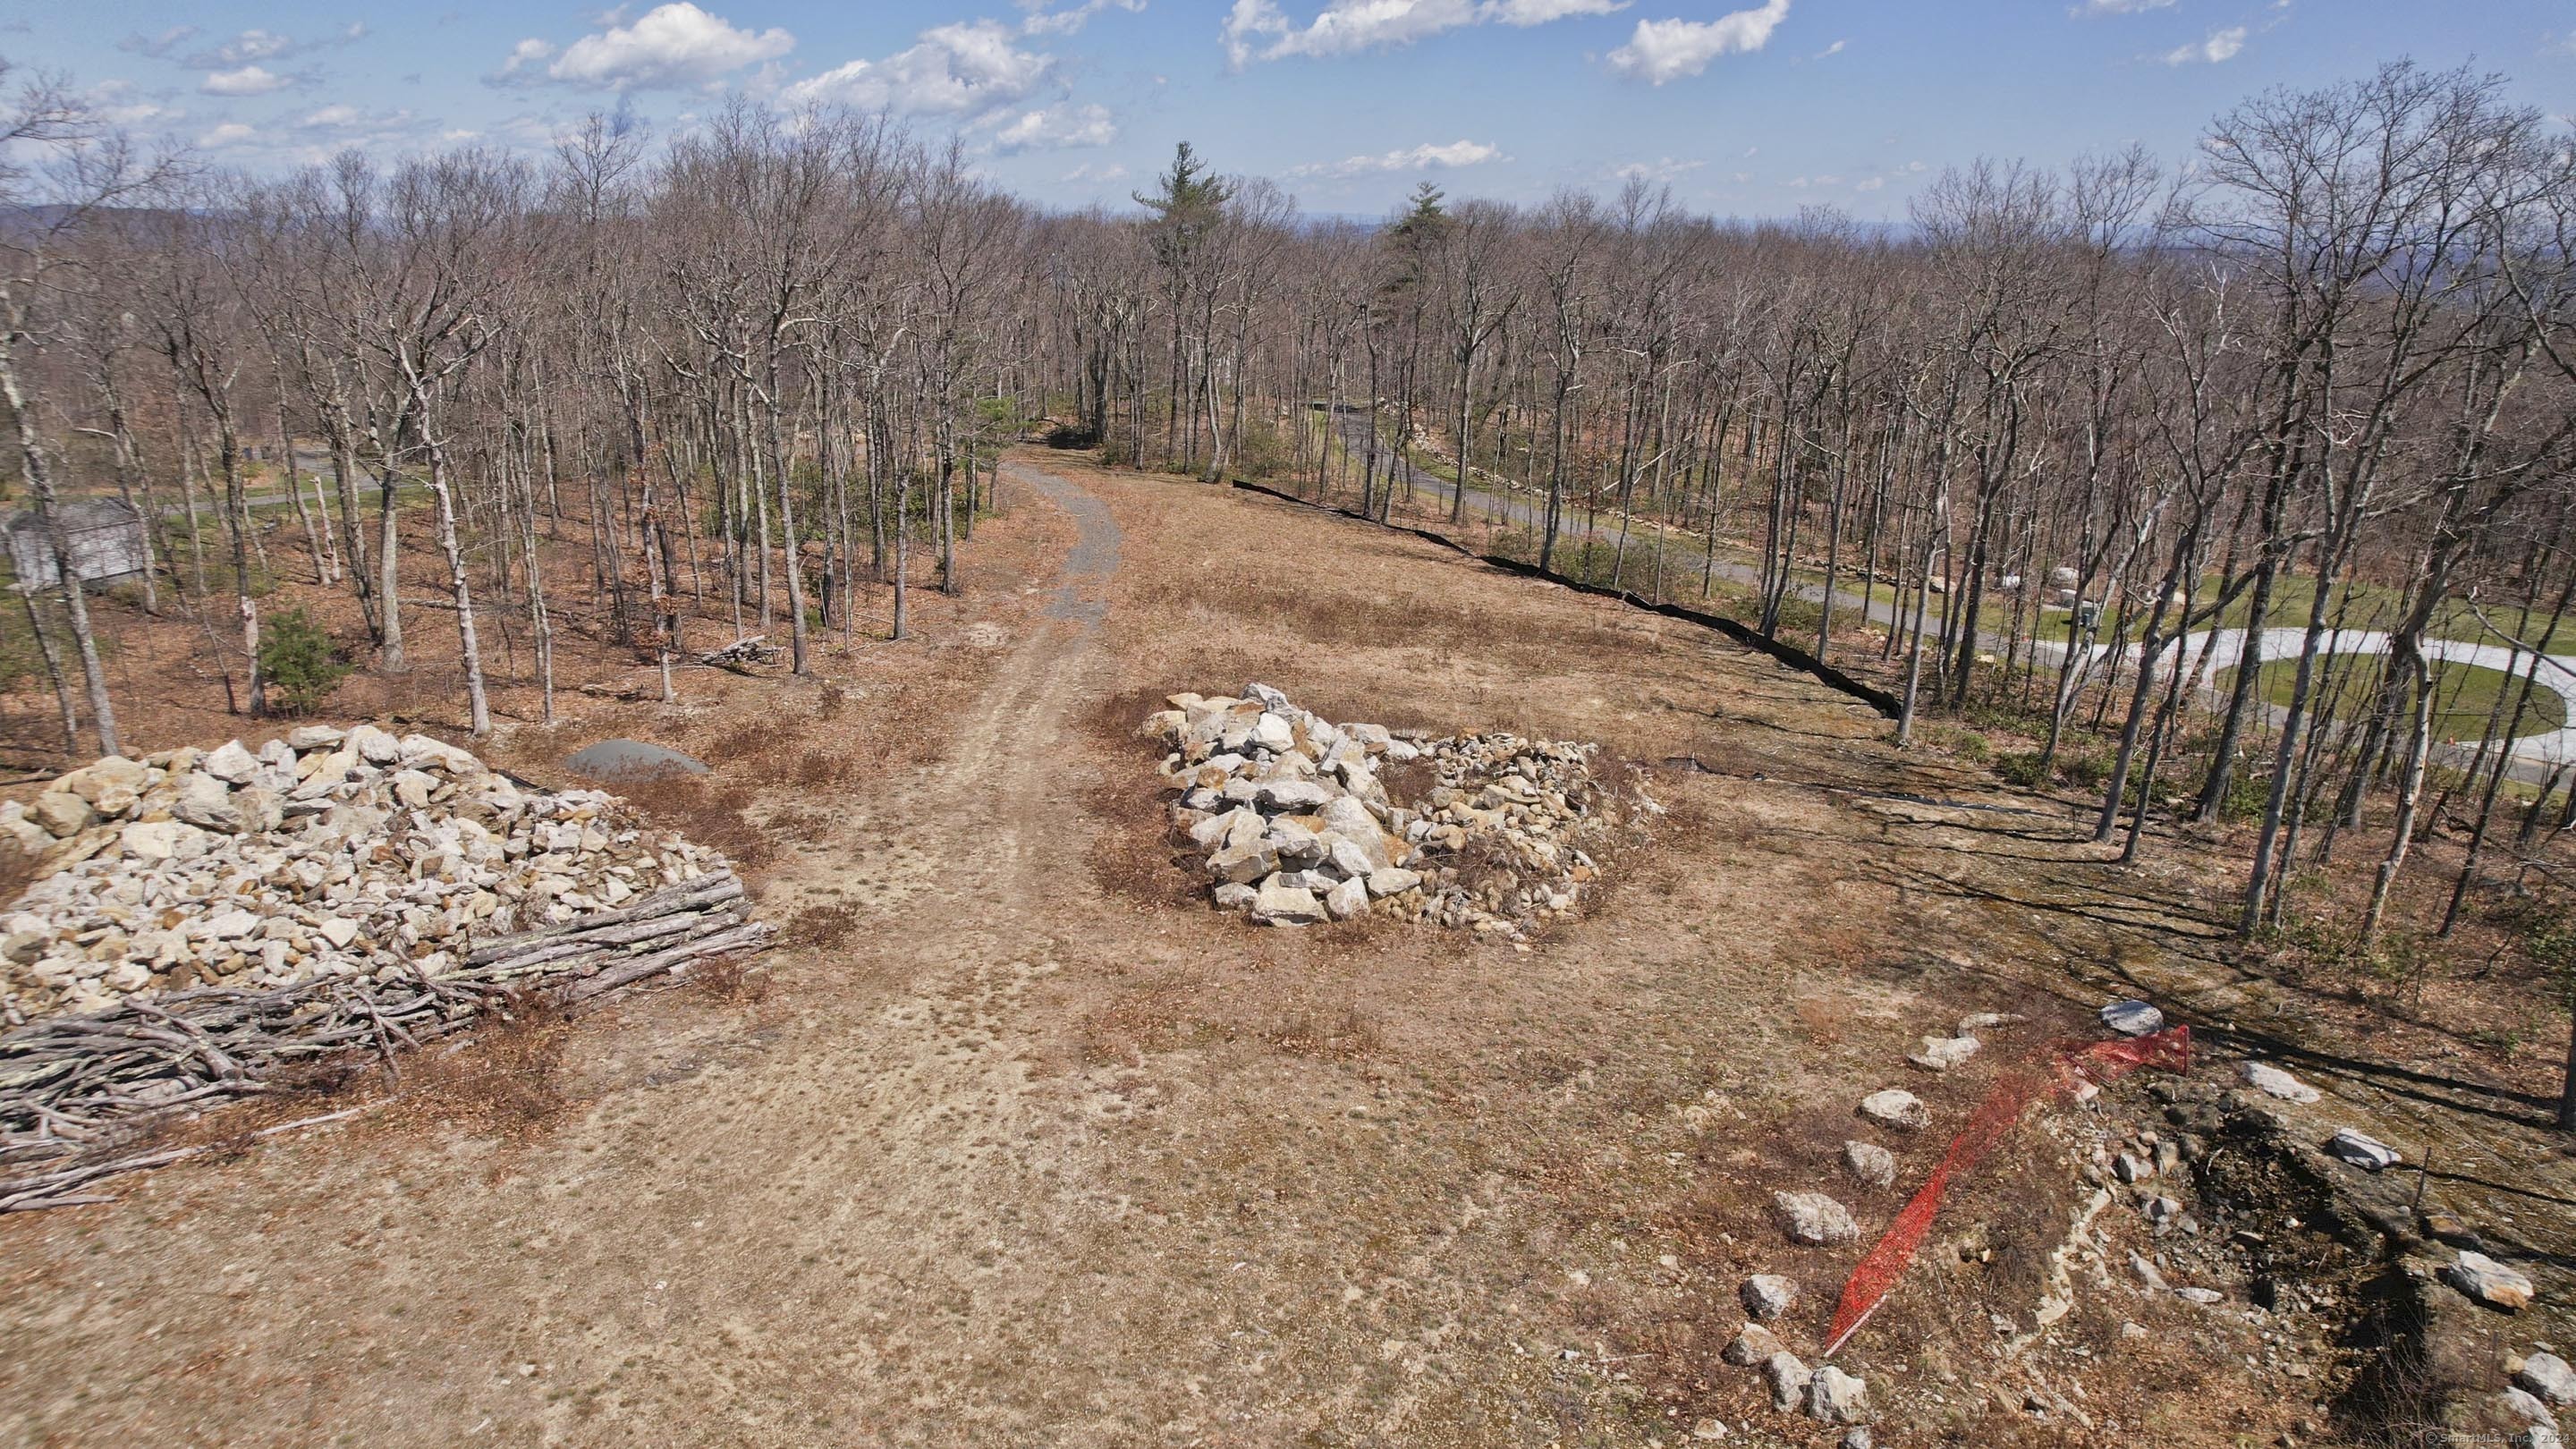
<point x="53" y="656"/>
<point x="40" y="484"/>
<point x="389" y="645"/>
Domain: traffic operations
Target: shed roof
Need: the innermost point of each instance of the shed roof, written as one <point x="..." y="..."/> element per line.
<point x="80" y="515"/>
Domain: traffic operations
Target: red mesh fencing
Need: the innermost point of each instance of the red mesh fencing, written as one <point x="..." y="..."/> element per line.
<point x="2067" y="1064"/>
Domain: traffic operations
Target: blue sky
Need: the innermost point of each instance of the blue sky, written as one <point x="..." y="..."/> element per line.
<point x="1746" y="107"/>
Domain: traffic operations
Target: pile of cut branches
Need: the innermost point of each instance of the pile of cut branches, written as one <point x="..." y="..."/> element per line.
<point x="73" y="1087"/>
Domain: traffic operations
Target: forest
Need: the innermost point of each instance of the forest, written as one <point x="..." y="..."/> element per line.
<point x="2023" y="456"/>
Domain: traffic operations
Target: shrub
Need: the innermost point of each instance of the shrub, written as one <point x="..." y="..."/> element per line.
<point x="298" y="661"/>
<point x="2023" y="769"/>
<point x="2083" y="771"/>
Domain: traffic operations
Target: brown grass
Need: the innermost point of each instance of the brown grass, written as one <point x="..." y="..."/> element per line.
<point x="505" y="1079"/>
<point x="707" y="809"/>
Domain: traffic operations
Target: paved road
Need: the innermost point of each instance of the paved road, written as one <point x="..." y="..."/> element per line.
<point x="2536" y="757"/>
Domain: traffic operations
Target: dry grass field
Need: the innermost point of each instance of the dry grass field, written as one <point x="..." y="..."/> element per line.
<point x="1015" y="1142"/>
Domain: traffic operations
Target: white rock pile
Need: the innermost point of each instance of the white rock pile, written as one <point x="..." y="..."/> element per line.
<point x="327" y="853"/>
<point x="1293" y="824"/>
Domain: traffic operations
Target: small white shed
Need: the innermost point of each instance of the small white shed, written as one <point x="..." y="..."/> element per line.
<point x="105" y="537"/>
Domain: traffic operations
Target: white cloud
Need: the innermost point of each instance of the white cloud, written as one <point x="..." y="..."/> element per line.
<point x="246" y="47"/>
<point x="1343" y="27"/>
<point x="1834" y="49"/>
<point x="230" y="133"/>
<point x="156" y="47"/>
<point x="1065" y="22"/>
<point x="250" y="80"/>
<point x="1088" y="172"/>
<point x="255" y="45"/>
<point x="1057" y="128"/>
<point x="670" y="46"/>
<point x="1540" y="12"/>
<point x="1869" y="183"/>
<point x="2091" y="8"/>
<point x="1667" y="50"/>
<point x="332" y="117"/>
<point x="1662" y="168"/>
<point x="1416" y="158"/>
<point x="956" y="70"/>
<point x="117" y="103"/>
<point x="527" y="53"/>
<point x="2221" y="45"/>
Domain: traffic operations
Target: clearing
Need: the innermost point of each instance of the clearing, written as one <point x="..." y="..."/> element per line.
<point x="1017" y="1142"/>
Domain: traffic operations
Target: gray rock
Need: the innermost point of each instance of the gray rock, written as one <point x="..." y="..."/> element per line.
<point x="1753" y="1345"/>
<point x="1347" y="857"/>
<point x="1270" y="696"/>
<point x="109" y="785"/>
<point x="2205" y="1297"/>
<point x="2539" y="1436"/>
<point x="206" y="802"/>
<point x="1898" y="1109"/>
<point x="1346" y="900"/>
<point x="1291" y="794"/>
<point x="1272" y="732"/>
<point x="1350" y="818"/>
<point x="2271" y="1081"/>
<point x="1297" y="845"/>
<point x="62" y="813"/>
<point x="1392" y="881"/>
<point x="1855" y="1437"/>
<point x="2547" y="1375"/>
<point x="153" y="840"/>
<point x="1788" y="1378"/>
<point x="1285" y="905"/>
<point x="1767" y="1295"/>
<point x="1835" y="1397"/>
<point x="1243" y="861"/>
<point x="314" y="737"/>
<point x="1870" y="1163"/>
<point x="1814" y="1219"/>
<point x="1941" y="1053"/>
<point x="2489" y="1282"/>
<point x="2129" y="1167"/>
<point x="228" y="925"/>
<point x="325" y="771"/>
<point x="1235" y="896"/>
<point x="2522" y="1405"/>
<point x="1217" y="829"/>
<point x="230" y="763"/>
<point x="375" y="746"/>
<point x="2361" y="1150"/>
<point x="2132" y="1018"/>
<point x="631" y="762"/>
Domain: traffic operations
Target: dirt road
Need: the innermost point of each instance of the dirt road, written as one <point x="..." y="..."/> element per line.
<point x="1020" y="1145"/>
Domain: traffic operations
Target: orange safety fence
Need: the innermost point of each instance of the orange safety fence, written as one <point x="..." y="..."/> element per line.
<point x="2067" y="1065"/>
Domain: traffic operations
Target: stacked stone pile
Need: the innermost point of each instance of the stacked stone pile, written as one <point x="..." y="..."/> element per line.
<point x="1295" y="826"/>
<point x="327" y="854"/>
